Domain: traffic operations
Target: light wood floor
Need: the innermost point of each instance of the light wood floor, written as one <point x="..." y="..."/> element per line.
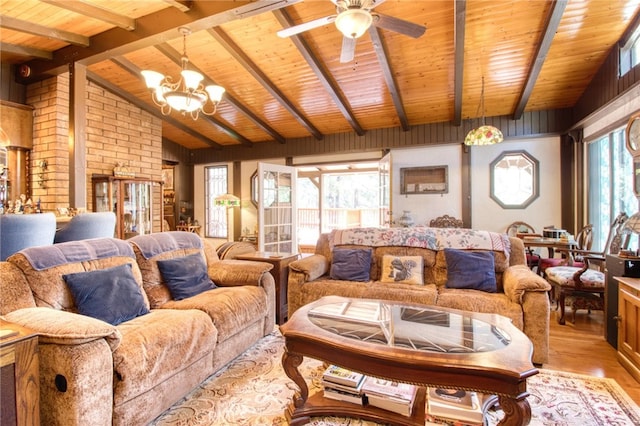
<point x="581" y="348"/>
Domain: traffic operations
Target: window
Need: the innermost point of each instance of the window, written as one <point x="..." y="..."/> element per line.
<point x="216" y="217"/>
<point x="514" y="179"/>
<point x="610" y="184"/>
<point x="630" y="52"/>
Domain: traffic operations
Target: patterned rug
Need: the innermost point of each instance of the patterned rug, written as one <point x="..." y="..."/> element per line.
<point x="253" y="390"/>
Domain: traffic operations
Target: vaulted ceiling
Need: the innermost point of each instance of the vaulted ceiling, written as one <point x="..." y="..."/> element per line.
<point x="532" y="55"/>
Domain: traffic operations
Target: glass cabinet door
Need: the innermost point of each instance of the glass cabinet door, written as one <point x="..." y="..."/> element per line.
<point x="136" y="208"/>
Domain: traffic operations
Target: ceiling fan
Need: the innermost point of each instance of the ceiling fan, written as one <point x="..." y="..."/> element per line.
<point x="353" y="18"/>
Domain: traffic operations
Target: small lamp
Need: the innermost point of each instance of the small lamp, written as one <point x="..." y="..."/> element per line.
<point x="228" y="201"/>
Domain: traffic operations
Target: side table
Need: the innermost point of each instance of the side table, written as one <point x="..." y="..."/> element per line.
<point x="280" y="272"/>
<point x="19" y="376"/>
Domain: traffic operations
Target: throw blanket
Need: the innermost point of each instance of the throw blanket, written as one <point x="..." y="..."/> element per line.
<point x="151" y="245"/>
<point x="45" y="257"/>
<point x="423" y="237"/>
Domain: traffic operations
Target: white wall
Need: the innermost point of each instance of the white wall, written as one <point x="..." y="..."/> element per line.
<point x="545" y="210"/>
<point x="424" y="207"/>
<point x="486" y="213"/>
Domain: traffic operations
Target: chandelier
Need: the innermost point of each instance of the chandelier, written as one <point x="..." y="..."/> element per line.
<point x="483" y="135"/>
<point x="187" y="95"/>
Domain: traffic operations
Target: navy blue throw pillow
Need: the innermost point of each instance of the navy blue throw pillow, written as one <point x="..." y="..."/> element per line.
<point x="111" y="295"/>
<point x="185" y="276"/>
<point x="471" y="269"/>
<point x="350" y="264"/>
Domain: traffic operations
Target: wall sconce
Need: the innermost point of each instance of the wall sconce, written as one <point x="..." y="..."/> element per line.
<point x="42" y="180"/>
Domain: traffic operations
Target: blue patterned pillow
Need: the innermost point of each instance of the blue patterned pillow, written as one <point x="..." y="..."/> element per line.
<point x="186" y="276"/>
<point x="111" y="295"/>
<point x="471" y="269"/>
<point x="350" y="264"/>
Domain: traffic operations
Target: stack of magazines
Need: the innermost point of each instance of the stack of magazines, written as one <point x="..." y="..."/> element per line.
<point x="389" y="395"/>
<point x="343" y="385"/>
<point x="458" y="406"/>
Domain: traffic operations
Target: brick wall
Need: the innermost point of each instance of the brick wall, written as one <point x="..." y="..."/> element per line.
<point x="116" y="132"/>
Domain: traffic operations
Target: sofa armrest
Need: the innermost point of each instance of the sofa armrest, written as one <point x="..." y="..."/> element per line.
<point x="230" y="273"/>
<point x="519" y="279"/>
<point x="65" y="328"/>
<point x="312" y="267"/>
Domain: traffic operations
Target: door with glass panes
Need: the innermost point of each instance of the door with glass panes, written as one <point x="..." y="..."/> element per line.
<point x="277" y="208"/>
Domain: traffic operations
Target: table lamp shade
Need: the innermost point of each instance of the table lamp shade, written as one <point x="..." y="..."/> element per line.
<point x="227" y="200"/>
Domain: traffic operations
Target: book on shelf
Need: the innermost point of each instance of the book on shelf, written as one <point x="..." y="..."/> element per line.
<point x="389" y="395"/>
<point x="341" y="395"/>
<point x="463" y="407"/>
<point x="342" y="376"/>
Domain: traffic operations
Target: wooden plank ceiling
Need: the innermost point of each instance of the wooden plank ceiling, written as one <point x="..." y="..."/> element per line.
<point x="532" y="55"/>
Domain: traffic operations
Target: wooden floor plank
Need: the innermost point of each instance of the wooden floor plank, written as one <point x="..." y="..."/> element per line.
<point x="581" y="348"/>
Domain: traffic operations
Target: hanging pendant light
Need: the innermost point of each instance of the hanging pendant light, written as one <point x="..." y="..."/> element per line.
<point x="187" y="95"/>
<point x="483" y="135"/>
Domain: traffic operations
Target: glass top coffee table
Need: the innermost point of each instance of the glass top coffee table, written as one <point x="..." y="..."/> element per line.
<point x="412" y="343"/>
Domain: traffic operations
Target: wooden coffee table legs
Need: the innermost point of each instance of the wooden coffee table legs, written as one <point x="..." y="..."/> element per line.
<point x="517" y="411"/>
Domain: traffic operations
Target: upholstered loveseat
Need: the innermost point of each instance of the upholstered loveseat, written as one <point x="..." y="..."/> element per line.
<point x="517" y="292"/>
<point x="96" y="373"/>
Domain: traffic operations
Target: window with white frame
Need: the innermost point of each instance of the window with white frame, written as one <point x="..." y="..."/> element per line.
<point x="610" y="176"/>
<point x="216" y="183"/>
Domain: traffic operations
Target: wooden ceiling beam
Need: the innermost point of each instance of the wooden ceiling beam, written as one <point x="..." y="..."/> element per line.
<point x="244" y="60"/>
<point x="176" y="57"/>
<point x="387" y="73"/>
<point x="182" y="6"/>
<point x="550" y="29"/>
<point x="19" y="25"/>
<point x="95" y="12"/>
<point x="25" y="51"/>
<point x="458" y="74"/>
<point x="151" y="29"/>
<point x="325" y="79"/>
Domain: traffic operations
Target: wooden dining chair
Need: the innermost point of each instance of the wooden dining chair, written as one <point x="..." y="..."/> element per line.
<point x="584" y="243"/>
<point x="586" y="284"/>
<point x="516" y="229"/>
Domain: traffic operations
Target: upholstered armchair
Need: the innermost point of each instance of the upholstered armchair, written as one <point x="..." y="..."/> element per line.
<point x="19" y="231"/>
<point x="586" y="283"/>
<point x="86" y="226"/>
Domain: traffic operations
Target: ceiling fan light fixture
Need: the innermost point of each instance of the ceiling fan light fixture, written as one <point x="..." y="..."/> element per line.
<point x="353" y="23"/>
<point x="187" y="95"/>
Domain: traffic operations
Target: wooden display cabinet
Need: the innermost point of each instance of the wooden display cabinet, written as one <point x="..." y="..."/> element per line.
<point x="137" y="211"/>
<point x="629" y="318"/>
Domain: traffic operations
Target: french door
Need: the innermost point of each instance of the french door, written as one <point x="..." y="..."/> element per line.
<point x="277" y="212"/>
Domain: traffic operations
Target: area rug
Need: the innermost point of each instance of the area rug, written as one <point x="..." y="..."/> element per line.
<point x="253" y="390"/>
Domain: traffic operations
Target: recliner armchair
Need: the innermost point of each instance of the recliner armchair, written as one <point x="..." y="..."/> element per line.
<point x="86" y="226"/>
<point x="19" y="231"/>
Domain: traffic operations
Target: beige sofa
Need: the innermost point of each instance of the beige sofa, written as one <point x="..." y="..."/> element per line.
<point x="521" y="295"/>
<point x="95" y="373"/>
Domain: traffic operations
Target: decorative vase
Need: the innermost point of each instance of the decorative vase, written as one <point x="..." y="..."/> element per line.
<point x="405" y="220"/>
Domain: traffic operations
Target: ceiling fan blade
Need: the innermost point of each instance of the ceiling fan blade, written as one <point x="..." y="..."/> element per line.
<point x="398" y="25"/>
<point x="297" y="29"/>
<point x="348" y="50"/>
